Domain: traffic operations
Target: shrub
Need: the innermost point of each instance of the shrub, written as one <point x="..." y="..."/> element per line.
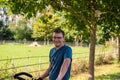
<point x="108" y="58"/>
<point x="99" y="60"/>
<point x="5" y="73"/>
<point x="80" y="66"/>
<point x="104" y="59"/>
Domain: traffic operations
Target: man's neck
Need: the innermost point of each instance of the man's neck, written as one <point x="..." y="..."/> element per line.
<point x="59" y="47"/>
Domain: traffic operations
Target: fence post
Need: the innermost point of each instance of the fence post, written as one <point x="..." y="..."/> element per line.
<point x="27" y="59"/>
<point x="39" y="65"/>
<point x="13" y="68"/>
<point x="12" y="62"/>
<point x="27" y="62"/>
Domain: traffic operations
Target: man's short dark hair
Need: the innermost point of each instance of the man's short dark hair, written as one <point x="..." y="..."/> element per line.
<point x="59" y="30"/>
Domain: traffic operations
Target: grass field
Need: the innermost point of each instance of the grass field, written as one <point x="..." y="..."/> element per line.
<point x="11" y="50"/>
<point x="16" y="50"/>
<point x="103" y="72"/>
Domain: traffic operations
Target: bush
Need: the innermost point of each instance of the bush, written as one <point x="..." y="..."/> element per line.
<point x="104" y="59"/>
<point x="99" y="60"/>
<point x="108" y="58"/>
<point x="5" y="73"/>
<point x="80" y="66"/>
<point x="6" y="33"/>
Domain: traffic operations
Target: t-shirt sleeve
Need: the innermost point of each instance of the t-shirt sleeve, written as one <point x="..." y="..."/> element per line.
<point x="68" y="53"/>
<point x="50" y="54"/>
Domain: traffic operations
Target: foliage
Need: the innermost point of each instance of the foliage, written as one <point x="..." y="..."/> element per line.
<point x="112" y="19"/>
<point x="108" y="59"/>
<point x="99" y="60"/>
<point x="80" y="66"/>
<point x="5" y="65"/>
<point x="76" y="30"/>
<point x="21" y="31"/>
<point x="27" y="8"/>
<point x="1" y="24"/>
<point x="81" y="13"/>
<point x="104" y="59"/>
<point x="45" y="23"/>
<point x="5" y="34"/>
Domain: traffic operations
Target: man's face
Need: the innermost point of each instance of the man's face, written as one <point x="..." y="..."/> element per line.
<point x="58" y="39"/>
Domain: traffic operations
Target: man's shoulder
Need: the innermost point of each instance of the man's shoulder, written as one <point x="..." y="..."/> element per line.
<point x="52" y="49"/>
<point x="67" y="46"/>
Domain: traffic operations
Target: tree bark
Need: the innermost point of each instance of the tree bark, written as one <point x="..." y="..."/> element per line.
<point x="76" y="41"/>
<point x="92" y="51"/>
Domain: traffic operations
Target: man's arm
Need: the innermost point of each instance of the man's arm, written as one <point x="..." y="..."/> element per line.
<point x="64" y="68"/>
<point x="46" y="73"/>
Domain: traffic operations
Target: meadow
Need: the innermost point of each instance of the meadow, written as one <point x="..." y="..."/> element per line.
<point x="16" y="50"/>
<point x="11" y="50"/>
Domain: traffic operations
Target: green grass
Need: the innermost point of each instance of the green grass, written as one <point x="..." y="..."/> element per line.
<point x="108" y="72"/>
<point x="22" y="50"/>
<point x="102" y="72"/>
<point x="15" y="50"/>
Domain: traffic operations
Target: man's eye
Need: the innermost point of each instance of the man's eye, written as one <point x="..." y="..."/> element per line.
<point x="57" y="37"/>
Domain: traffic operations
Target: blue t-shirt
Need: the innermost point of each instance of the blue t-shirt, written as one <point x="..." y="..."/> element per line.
<point x="56" y="59"/>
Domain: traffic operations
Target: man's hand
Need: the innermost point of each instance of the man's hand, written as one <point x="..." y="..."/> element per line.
<point x="40" y="78"/>
<point x="58" y="79"/>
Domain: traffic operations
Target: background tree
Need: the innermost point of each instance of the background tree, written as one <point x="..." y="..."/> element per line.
<point x="5" y="32"/>
<point x="44" y="24"/>
<point x="111" y="21"/>
<point x="77" y="30"/>
<point x="21" y="31"/>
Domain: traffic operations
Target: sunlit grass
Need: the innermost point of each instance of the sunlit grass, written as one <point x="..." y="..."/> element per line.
<point x="103" y="72"/>
<point x="16" y="50"/>
<point x="13" y="50"/>
<point x="22" y="50"/>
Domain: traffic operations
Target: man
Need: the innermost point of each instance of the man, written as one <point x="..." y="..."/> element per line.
<point x="60" y="58"/>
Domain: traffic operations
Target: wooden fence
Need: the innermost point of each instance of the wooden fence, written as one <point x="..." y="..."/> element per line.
<point x="39" y="63"/>
<point x="27" y="64"/>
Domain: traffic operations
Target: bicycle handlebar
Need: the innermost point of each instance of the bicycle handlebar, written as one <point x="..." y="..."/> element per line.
<point x="17" y="76"/>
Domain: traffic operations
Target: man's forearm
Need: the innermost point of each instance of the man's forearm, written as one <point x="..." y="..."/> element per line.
<point x="46" y="73"/>
<point x="64" y="68"/>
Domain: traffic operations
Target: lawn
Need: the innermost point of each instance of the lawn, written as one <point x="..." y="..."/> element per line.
<point x="102" y="72"/>
<point x="13" y="50"/>
<point x="16" y="50"/>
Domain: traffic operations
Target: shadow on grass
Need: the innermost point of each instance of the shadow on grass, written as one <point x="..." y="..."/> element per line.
<point x="115" y="76"/>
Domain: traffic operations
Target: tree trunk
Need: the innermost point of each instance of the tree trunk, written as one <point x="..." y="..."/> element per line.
<point x="45" y="41"/>
<point x="76" y="41"/>
<point x="92" y="51"/>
